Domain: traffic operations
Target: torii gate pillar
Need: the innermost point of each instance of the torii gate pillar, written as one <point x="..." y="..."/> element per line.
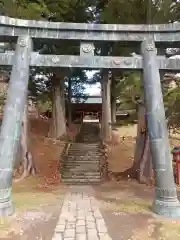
<point x="12" y="120"/>
<point x="166" y="202"/>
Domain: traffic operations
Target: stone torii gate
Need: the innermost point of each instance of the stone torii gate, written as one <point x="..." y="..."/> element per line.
<point x="26" y="32"/>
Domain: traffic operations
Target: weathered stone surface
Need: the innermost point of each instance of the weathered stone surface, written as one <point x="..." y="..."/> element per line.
<point x="95" y="62"/>
<point x="12" y="120"/>
<point x="166" y="202"/>
<point x="10" y="27"/>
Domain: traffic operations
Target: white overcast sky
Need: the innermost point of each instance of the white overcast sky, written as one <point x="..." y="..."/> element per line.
<point x="93" y="89"/>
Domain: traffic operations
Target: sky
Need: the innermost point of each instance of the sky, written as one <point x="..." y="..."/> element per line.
<point x="93" y="89"/>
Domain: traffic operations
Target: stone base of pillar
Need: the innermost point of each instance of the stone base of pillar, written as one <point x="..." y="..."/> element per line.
<point x="169" y="208"/>
<point x="6" y="209"/>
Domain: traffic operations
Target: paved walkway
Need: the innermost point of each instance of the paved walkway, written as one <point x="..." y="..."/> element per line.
<point x="80" y="217"/>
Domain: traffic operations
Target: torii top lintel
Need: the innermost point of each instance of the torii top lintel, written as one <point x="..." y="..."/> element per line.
<point x="12" y="28"/>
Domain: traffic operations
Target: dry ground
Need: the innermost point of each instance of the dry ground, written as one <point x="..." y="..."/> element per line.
<point x="126" y="208"/>
<point x="122" y="152"/>
<point x="37" y="199"/>
<point x="125" y="205"/>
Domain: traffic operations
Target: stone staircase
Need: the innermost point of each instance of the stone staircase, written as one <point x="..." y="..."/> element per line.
<point x="82" y="165"/>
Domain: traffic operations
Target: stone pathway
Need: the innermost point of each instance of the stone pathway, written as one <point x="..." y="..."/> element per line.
<point x="80" y="217"/>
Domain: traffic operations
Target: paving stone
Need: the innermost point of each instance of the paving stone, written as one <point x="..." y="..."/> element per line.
<point x="101" y="228"/>
<point x="92" y="234"/>
<point x="69" y="233"/>
<point x="71" y="225"/>
<point x="80" y="229"/>
<point x="60" y="228"/>
<point x="61" y="221"/>
<point x="105" y="236"/>
<point x="97" y="214"/>
<point x="80" y="223"/>
<point x="91" y="225"/>
<point x="58" y="237"/>
<point x="81" y="237"/>
<point x="90" y="219"/>
<point x="80" y="218"/>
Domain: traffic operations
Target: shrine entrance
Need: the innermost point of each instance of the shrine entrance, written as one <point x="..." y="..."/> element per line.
<point x="26" y="33"/>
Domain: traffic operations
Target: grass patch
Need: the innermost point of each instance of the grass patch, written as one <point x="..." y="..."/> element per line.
<point x="27" y="195"/>
<point x="4" y="224"/>
<point x="134" y="206"/>
<point x="26" y="200"/>
<point x="170" y="230"/>
<point x="123" y="200"/>
<point x="126" y="205"/>
<point x="30" y="193"/>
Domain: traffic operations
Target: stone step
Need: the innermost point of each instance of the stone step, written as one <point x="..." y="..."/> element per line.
<point x="81" y="162"/>
<point x="80" y="154"/>
<point x="84" y="149"/>
<point x="78" y="170"/>
<point x="81" y="181"/>
<point x="85" y="144"/>
<point x="80" y="176"/>
<point x="77" y="149"/>
<point x="91" y="137"/>
<point x="84" y="153"/>
<point x="82" y="168"/>
<point x="82" y="173"/>
<point x="64" y="176"/>
<point x="82" y="165"/>
<point x="84" y="158"/>
<point x="79" y="159"/>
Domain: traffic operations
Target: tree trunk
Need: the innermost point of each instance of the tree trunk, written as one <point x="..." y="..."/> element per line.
<point x="113" y="109"/>
<point x="102" y="113"/>
<point x="142" y="158"/>
<point x="69" y="103"/>
<point x="24" y="163"/>
<point x="106" y="108"/>
<point x="142" y="168"/>
<point x="58" y="123"/>
<point x="142" y="165"/>
<point x="113" y="100"/>
<point x="63" y="97"/>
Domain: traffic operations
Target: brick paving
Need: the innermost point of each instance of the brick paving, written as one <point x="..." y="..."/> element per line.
<point x="80" y="217"/>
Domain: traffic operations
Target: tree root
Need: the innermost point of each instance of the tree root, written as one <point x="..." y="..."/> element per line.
<point x="131" y="174"/>
<point x="127" y="174"/>
<point x="26" y="168"/>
